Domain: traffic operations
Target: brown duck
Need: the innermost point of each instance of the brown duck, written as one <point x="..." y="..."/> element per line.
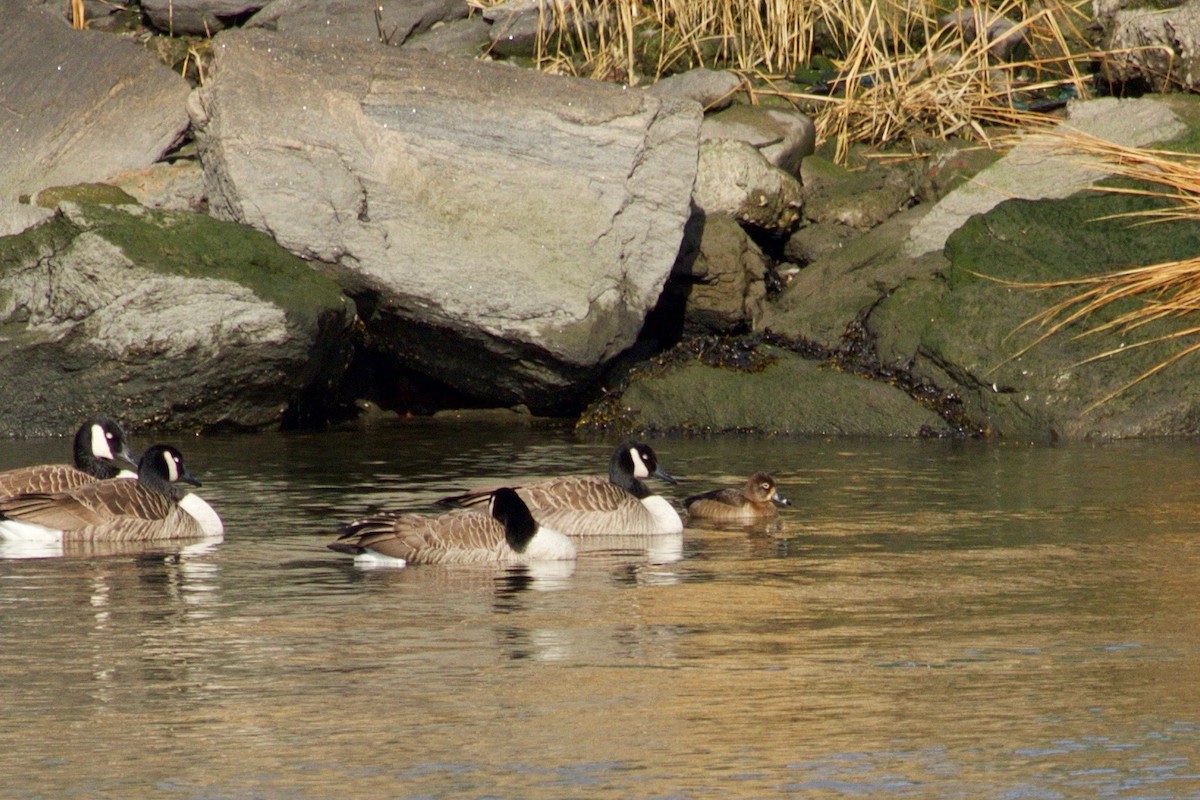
<point x="756" y="499"/>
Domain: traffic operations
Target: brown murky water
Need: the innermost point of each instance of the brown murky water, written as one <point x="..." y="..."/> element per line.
<point x="928" y="620"/>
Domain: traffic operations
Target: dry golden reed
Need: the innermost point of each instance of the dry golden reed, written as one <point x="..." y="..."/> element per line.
<point x="902" y="70"/>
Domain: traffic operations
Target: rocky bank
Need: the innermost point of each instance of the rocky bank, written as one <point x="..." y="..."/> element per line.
<point x="353" y="209"/>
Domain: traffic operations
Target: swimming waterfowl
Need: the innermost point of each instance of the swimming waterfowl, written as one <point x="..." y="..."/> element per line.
<point x="119" y="510"/>
<point x="100" y="449"/>
<point x="593" y="505"/>
<point x="507" y="534"/>
<point x="756" y="499"/>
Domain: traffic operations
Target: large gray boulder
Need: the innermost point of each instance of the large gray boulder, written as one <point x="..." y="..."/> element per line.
<point x="197" y="17"/>
<point x="79" y="106"/>
<point x="165" y="320"/>
<point x="1152" y="44"/>
<point x="388" y="21"/>
<point x="483" y="213"/>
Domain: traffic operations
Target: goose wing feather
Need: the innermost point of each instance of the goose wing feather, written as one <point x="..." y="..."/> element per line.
<point x="122" y="509"/>
<point x="580" y="505"/>
<point x="580" y="494"/>
<point x="44" y="479"/>
<point x="461" y="536"/>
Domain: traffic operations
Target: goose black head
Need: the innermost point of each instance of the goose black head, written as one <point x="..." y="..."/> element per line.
<point x="633" y="461"/>
<point x="101" y="448"/>
<point x="161" y="467"/>
<point x="507" y="508"/>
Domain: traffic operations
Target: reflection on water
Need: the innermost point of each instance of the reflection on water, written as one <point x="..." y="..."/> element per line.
<point x="927" y="620"/>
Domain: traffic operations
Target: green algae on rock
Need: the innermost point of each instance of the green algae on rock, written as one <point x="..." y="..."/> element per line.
<point x="964" y="326"/>
<point x="165" y="320"/>
<point x="785" y="394"/>
<point x="198" y="246"/>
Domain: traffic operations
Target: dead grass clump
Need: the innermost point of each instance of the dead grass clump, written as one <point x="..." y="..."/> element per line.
<point x="903" y="67"/>
<point x="953" y="84"/>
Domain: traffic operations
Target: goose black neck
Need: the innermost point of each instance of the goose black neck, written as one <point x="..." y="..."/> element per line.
<point x="152" y="472"/>
<point x="519" y="526"/>
<point x="101" y="468"/>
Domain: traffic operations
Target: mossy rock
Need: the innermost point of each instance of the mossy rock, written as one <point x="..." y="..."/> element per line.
<point x="790" y="395"/>
<point x="198" y="246"/>
<point x="165" y="320"/>
<point x="966" y="327"/>
<point x="94" y="193"/>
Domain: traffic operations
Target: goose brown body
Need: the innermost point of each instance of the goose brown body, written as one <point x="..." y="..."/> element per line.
<point x="583" y="505"/>
<point x="44" y="479"/>
<point x="756" y="499"/>
<point x="117" y="510"/>
<point x="507" y="534"/>
<point x="594" y="505"/>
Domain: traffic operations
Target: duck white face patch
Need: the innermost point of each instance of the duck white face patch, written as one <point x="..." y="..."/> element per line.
<point x="100" y="444"/>
<point x="639" y="466"/>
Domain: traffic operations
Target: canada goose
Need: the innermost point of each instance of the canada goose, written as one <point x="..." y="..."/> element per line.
<point x="507" y="534"/>
<point x="754" y="500"/>
<point x="100" y="446"/>
<point x="114" y="510"/>
<point x="593" y="505"/>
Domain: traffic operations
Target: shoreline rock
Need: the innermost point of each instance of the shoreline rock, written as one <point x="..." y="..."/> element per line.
<point x="542" y="245"/>
<point x="513" y="239"/>
<point x="79" y="106"/>
<point x="102" y="306"/>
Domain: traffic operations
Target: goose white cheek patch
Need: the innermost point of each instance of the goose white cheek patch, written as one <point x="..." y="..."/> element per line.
<point x="100" y="445"/>
<point x="639" y="466"/>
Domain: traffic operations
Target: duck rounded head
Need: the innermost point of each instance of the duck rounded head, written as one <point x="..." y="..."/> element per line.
<point x="763" y="489"/>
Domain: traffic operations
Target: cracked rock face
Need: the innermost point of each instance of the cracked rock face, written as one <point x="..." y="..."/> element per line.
<point x="78" y="106"/>
<point x="479" y="214"/>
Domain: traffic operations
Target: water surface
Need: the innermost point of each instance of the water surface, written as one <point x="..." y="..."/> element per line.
<point x="929" y="619"/>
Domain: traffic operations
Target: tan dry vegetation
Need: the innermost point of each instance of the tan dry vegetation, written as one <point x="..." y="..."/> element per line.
<point x="902" y="71"/>
<point x="951" y="85"/>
